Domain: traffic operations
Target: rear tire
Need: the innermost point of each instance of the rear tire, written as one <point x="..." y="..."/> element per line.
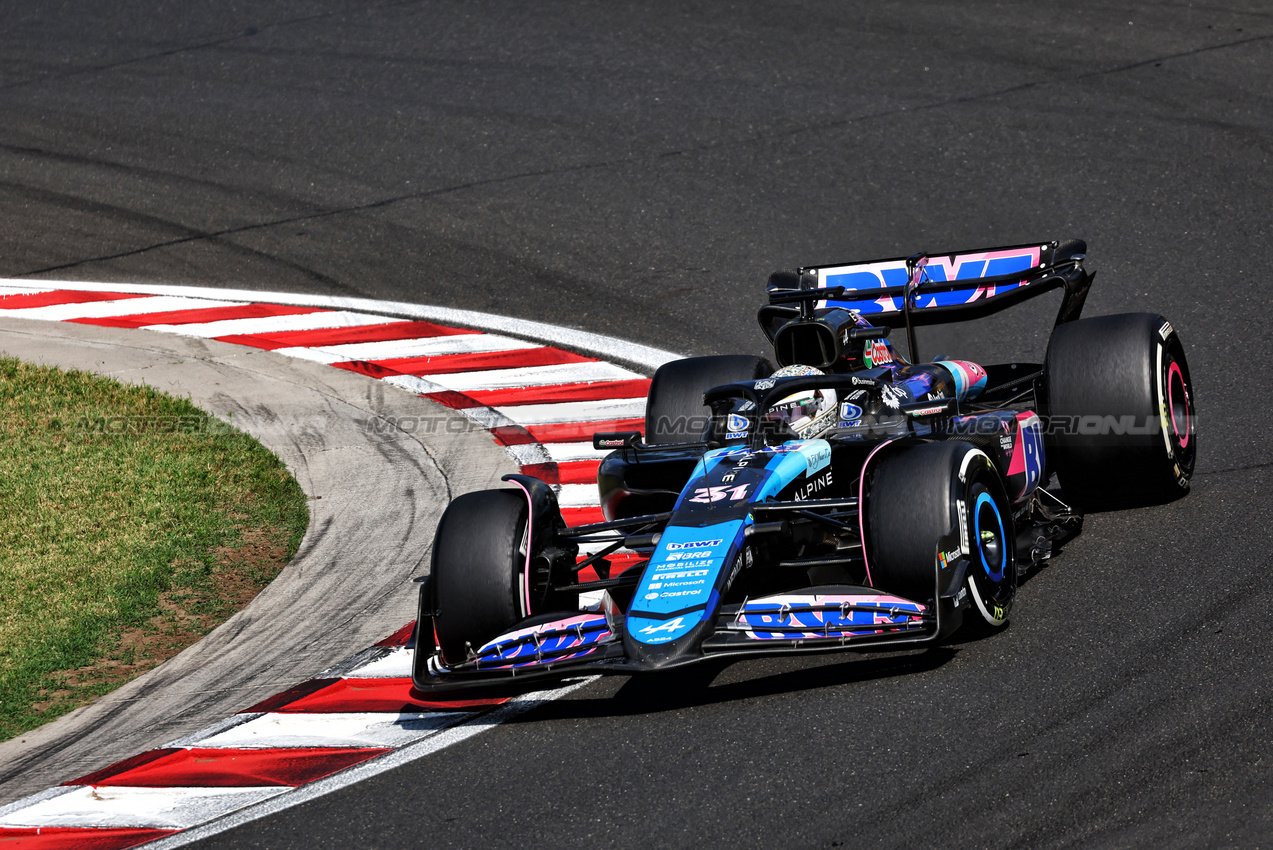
<point x="1103" y="375"/>
<point x="913" y="510"/>
<point x="479" y="558"/>
<point x="674" y="412"/>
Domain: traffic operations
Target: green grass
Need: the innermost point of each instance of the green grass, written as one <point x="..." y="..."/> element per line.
<point x="130" y="525"/>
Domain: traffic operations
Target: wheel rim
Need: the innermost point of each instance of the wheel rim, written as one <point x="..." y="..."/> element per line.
<point x="992" y="576"/>
<point x="1178" y="406"/>
<point x="988" y="529"/>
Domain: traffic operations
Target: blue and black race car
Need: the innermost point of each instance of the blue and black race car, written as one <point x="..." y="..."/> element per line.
<point x="853" y="498"/>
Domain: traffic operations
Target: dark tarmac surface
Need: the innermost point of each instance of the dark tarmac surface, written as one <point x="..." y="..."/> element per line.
<point x="638" y="169"/>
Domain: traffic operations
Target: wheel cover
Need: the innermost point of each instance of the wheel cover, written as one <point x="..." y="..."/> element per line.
<point x="992" y="578"/>
<point x="989" y="533"/>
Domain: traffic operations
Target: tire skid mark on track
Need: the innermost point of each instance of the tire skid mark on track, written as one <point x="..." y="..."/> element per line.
<point x="359" y="718"/>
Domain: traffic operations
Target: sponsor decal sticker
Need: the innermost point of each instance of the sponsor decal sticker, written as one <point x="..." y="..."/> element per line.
<point x="963" y="526"/>
<point x="697" y="544"/>
<point x="876" y="353"/>
<point x="734" y="422"/>
<point x="683" y="556"/>
<point x="669" y="626"/>
<point x="815" y="486"/>
<point x="848" y="410"/>
<point x="677" y="573"/>
<point x="893" y="396"/>
<point x="817" y="455"/>
<point x="763" y="385"/>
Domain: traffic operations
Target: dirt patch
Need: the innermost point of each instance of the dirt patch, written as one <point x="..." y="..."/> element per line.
<point x="239" y="574"/>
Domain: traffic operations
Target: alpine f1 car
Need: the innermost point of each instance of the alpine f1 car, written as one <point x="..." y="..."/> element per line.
<point x="852" y="499"/>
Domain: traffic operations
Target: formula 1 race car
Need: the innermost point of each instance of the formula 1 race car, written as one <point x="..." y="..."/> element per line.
<point x="852" y="499"/>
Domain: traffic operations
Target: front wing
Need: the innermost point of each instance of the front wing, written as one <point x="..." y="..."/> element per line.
<point x="589" y="643"/>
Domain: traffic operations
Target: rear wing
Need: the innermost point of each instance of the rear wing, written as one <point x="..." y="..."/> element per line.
<point x="926" y="289"/>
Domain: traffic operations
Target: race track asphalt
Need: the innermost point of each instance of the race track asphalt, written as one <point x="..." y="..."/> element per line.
<point x="637" y="170"/>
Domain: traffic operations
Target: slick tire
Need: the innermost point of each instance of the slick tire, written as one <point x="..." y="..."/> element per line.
<point x="674" y="412"/>
<point x="1121" y="423"/>
<point x="479" y="556"/>
<point x="929" y="502"/>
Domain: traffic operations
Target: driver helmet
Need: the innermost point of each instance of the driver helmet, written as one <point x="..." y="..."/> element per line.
<point x="807" y="413"/>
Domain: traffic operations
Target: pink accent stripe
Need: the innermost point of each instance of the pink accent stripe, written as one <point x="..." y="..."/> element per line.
<point x="595" y="391"/>
<point x="387" y="332"/>
<point x="60" y="296"/>
<point x="862" y="509"/>
<point x="1174" y="371"/>
<point x="78" y="838"/>
<point x="530" y="535"/>
<point x="198" y="315"/>
<point x="216" y="768"/>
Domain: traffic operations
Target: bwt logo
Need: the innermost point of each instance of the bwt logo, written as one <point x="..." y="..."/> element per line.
<point x="865" y="276"/>
<point x="698" y="544"/>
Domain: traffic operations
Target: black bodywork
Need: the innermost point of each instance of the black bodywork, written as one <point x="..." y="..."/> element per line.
<point x="801" y="537"/>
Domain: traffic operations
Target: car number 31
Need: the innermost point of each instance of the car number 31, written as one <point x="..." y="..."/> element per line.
<point x="717" y="494"/>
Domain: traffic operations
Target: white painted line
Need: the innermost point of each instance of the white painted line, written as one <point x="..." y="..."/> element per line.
<point x="566" y="452"/>
<point x="24" y="290"/>
<point x="412" y="384"/>
<point x="273" y="324"/>
<point x="531" y="376"/>
<point x="109" y="309"/>
<point x="575" y="411"/>
<point x="368" y="769"/>
<point x="317" y="355"/>
<point x="395" y="665"/>
<point x="422" y="347"/>
<point x="25" y="802"/>
<point x="608" y="347"/>
<point x="194" y="738"/>
<point x="156" y="808"/>
<point x="591" y="548"/>
<point x="487" y="418"/>
<point x="556" y="452"/>
<point x="361" y="729"/>
<point x="578" y="496"/>
<point x="590" y="600"/>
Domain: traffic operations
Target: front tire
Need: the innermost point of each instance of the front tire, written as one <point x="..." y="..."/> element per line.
<point x="1122" y="430"/>
<point x="925" y="502"/>
<point x="479" y="560"/>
